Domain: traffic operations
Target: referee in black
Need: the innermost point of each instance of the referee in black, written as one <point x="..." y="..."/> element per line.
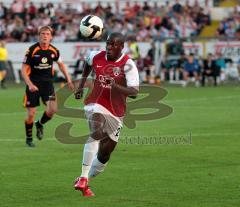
<point x="37" y="72"/>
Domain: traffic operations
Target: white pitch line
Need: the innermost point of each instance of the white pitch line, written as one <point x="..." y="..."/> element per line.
<point x="13" y="113"/>
<point x="132" y="136"/>
<point x="23" y="140"/>
<point x="24" y="112"/>
<point x="185" y="134"/>
<point x="202" y="99"/>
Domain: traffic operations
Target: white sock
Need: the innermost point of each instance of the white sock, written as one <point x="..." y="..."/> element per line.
<point x="96" y="168"/>
<point x="90" y="150"/>
<point x="177" y="75"/>
<point x="162" y="76"/>
<point x="197" y="84"/>
<point x="171" y="74"/>
<point x="222" y="76"/>
<point x="184" y="83"/>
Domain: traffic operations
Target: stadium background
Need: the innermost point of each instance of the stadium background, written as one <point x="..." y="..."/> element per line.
<point x="196" y="159"/>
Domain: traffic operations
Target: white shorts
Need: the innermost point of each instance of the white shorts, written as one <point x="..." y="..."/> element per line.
<point x="112" y="125"/>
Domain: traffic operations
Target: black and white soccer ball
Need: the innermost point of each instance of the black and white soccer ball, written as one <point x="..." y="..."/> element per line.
<point x="91" y="27"/>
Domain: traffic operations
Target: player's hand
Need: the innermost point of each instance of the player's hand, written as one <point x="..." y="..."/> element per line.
<point x="78" y="93"/>
<point x="33" y="88"/>
<point x="70" y="85"/>
<point x="110" y="80"/>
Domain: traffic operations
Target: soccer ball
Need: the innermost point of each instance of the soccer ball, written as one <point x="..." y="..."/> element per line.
<point x="91" y="27"/>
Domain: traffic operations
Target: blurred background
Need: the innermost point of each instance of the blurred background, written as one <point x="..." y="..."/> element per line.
<point x="177" y="42"/>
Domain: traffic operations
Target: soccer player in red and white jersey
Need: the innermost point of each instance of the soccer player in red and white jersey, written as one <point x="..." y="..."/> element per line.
<point x="116" y="78"/>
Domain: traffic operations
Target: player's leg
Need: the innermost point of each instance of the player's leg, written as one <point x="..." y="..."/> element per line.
<point x="31" y="101"/>
<point x="171" y="74"/>
<point x="31" y="111"/>
<point x="51" y="109"/>
<point x="163" y="74"/>
<point x="96" y="123"/>
<point x="112" y="128"/>
<point x="47" y="94"/>
<point x="185" y="78"/>
<point x="3" y="76"/>
<point x="100" y="161"/>
<point x="222" y="75"/>
<point x="196" y="76"/>
<point x="178" y="70"/>
<point x="89" y="152"/>
<point x="214" y="75"/>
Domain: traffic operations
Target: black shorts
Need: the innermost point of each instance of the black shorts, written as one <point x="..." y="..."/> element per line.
<point x="3" y="65"/>
<point x="191" y="73"/>
<point x="45" y="91"/>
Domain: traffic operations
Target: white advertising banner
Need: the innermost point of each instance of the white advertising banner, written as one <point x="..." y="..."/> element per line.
<point x="227" y="49"/>
<point x="69" y="51"/>
<point x="193" y="47"/>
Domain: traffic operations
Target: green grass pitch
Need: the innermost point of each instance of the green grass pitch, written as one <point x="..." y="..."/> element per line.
<point x="202" y="173"/>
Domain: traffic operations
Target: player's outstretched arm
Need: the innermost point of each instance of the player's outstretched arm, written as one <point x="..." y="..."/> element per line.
<point x="63" y="69"/>
<point x="86" y="71"/>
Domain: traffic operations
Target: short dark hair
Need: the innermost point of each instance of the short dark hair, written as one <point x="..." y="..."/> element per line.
<point x="119" y="36"/>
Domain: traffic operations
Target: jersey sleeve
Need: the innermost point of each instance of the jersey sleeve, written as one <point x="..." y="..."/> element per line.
<point x="27" y="57"/>
<point x="131" y="74"/>
<point x="90" y="56"/>
<point x="57" y="58"/>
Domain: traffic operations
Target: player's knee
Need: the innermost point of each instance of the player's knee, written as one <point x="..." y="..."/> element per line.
<point x="31" y="114"/>
<point x="97" y="135"/>
<point x="51" y="112"/>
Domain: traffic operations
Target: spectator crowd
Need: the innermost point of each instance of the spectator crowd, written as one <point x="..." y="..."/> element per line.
<point x="230" y="26"/>
<point x="20" y="21"/>
<point x="139" y="21"/>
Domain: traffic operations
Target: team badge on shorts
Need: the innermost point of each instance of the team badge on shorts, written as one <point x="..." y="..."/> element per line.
<point x="116" y="71"/>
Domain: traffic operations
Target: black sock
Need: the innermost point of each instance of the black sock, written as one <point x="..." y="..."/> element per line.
<point x="28" y="129"/>
<point x="29" y="139"/>
<point x="2" y="82"/>
<point x="45" y="118"/>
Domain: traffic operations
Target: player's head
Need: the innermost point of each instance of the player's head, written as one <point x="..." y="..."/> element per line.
<point x="210" y="56"/>
<point x="45" y="34"/>
<point x="114" y="45"/>
<point x="191" y="58"/>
